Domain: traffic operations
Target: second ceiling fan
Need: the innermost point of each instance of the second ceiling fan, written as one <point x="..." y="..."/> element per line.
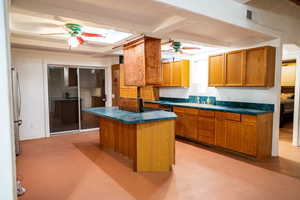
<point x="178" y="47"/>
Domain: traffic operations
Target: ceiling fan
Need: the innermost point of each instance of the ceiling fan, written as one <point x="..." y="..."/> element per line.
<point x="177" y="47"/>
<point x="76" y="34"/>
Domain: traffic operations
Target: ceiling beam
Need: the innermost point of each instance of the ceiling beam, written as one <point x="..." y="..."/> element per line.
<point x="169" y="24"/>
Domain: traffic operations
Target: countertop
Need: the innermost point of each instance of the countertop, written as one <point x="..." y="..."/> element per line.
<point x="247" y="111"/>
<point x="131" y="117"/>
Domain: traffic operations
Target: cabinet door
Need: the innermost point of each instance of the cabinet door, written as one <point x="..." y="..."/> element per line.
<point x="179" y="124"/>
<point x="206" y="130"/>
<point x="233" y="135"/>
<point x="249" y="141"/>
<point x="220" y="127"/>
<point x="134" y="65"/>
<point x="149" y="93"/>
<point x="166" y="67"/>
<point x="176" y="74"/>
<point x="235" y="67"/>
<point x="216" y="70"/>
<point x="126" y="91"/>
<point x="256" y="69"/>
<point x="189" y="126"/>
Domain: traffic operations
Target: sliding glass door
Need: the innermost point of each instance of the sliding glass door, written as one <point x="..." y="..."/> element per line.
<point x="92" y="94"/>
<point x="70" y="90"/>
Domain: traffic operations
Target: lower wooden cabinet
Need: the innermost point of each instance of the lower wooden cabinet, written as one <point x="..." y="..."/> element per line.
<point x="247" y="134"/>
<point x="187" y="122"/>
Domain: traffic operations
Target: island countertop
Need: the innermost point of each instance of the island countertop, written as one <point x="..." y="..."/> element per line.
<point x="131" y="117"/>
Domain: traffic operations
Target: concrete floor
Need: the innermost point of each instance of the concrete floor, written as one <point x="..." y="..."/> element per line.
<point x="72" y="167"/>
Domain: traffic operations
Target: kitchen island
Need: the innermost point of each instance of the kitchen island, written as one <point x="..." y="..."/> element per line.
<point x="147" y="138"/>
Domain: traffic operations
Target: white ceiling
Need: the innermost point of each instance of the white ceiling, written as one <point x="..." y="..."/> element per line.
<point x="30" y="18"/>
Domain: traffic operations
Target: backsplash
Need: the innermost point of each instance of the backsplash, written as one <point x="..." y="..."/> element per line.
<point x="212" y="100"/>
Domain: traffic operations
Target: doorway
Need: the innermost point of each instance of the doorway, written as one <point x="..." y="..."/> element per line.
<point x="70" y="90"/>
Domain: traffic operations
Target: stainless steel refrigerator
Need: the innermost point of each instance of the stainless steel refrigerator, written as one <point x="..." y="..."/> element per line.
<point x="16" y="93"/>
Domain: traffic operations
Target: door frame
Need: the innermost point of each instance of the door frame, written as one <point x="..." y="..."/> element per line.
<point x="46" y="95"/>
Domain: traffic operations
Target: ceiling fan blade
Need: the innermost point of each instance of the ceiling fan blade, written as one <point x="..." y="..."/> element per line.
<point x="92" y="34"/>
<point x="167" y="42"/>
<point x="80" y="40"/>
<point x="190" y="48"/>
<point x="169" y="50"/>
<point x="54" y="33"/>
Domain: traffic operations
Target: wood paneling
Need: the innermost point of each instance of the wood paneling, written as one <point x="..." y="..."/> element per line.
<point x="142" y="62"/>
<point x="136" y="141"/>
<point x="115" y="76"/>
<point x="216" y="74"/>
<point x="235" y="67"/>
<point x="155" y="146"/>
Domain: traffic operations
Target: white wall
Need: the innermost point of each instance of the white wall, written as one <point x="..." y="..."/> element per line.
<point x="7" y="153"/>
<point x="32" y="67"/>
<point x="199" y="87"/>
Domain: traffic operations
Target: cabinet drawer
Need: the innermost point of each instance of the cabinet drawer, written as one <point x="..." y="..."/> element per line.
<point x="206" y="113"/>
<point x="191" y="111"/>
<point x="233" y="117"/>
<point x="151" y="105"/>
<point x="249" y="118"/>
<point x="207" y="124"/>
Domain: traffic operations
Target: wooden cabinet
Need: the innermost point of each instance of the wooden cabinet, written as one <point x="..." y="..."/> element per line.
<point x="147" y="93"/>
<point x="166" y="71"/>
<point x="260" y="70"/>
<point x="235" y="67"/>
<point x="142" y="62"/>
<point x="187" y="119"/>
<point x="243" y="68"/>
<point x="176" y="74"/>
<point x="247" y="134"/>
<point x="216" y="70"/>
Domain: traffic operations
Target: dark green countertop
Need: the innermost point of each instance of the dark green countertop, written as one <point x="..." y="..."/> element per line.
<point x="131" y="117"/>
<point x="247" y="111"/>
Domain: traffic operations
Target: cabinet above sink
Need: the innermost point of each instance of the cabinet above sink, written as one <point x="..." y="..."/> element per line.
<point x="243" y="68"/>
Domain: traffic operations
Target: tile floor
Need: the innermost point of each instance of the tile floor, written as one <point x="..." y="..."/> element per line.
<point x="73" y="167"/>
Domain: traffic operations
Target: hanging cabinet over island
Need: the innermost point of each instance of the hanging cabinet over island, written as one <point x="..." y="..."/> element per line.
<point x="243" y="68"/>
<point x="142" y="62"/>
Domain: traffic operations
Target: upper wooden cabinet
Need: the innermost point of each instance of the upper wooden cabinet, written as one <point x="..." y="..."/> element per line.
<point x="142" y="62"/>
<point x="216" y="70"/>
<point x="176" y="74"/>
<point x="260" y="66"/>
<point x="235" y="67"/>
<point x="249" y="68"/>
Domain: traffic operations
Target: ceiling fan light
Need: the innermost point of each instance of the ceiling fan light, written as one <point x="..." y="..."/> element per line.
<point x="73" y="42"/>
